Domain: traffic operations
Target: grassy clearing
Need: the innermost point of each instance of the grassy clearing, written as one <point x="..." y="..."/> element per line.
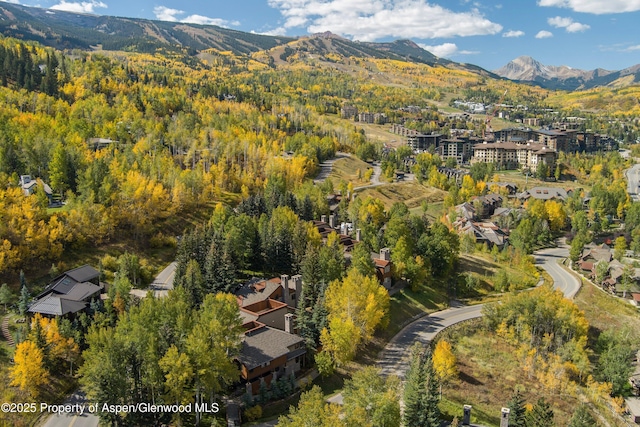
<point x="604" y="311"/>
<point x="523" y="183"/>
<point x="483" y="268"/>
<point x="489" y="374"/>
<point x="411" y="194"/>
<point x="434" y="210"/>
<point x="347" y="170"/>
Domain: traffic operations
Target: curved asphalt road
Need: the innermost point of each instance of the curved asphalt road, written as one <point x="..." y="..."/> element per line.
<point x="394" y="359"/>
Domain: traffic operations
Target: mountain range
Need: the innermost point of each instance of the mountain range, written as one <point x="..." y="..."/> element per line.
<point x="68" y="30"/>
<point x="527" y="69"/>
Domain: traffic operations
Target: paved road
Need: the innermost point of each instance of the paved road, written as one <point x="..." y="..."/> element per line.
<point x="394" y="358"/>
<point x="327" y="166"/>
<point x="73" y="419"/>
<point x="562" y="279"/>
<point x="633" y="181"/>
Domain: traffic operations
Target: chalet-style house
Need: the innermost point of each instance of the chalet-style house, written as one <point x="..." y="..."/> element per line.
<point x="269" y="301"/>
<point x="270" y="347"/>
<point x="545" y="193"/>
<point x="383" y="267"/>
<point x="68" y="294"/>
<point x="268" y="353"/>
<point x="483" y="232"/>
<point x="30" y="185"/>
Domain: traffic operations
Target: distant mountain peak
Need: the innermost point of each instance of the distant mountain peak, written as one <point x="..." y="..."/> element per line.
<point x="326" y="35"/>
<point x="527" y="69"/>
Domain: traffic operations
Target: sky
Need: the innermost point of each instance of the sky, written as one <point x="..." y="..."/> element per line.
<point x="585" y="34"/>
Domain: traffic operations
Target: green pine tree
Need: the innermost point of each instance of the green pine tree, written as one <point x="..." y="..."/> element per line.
<point x="541" y="415"/>
<point x="432" y="392"/>
<point x="23" y="303"/>
<point x="518" y="410"/>
<point x="582" y="418"/>
<point x="413" y="390"/>
<point x="422" y="390"/>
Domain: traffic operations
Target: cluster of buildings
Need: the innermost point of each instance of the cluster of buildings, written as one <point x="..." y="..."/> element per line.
<point x="271" y="347"/>
<point x="483" y="217"/>
<point x="511" y="148"/>
<point x="351" y="112"/>
<point x="613" y="281"/>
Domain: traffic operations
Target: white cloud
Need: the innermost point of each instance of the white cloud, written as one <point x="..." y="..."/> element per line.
<point x="513" y="33"/>
<point x="633" y="48"/>
<point x="11" y="1"/>
<point x="369" y="20"/>
<point x="446" y="50"/>
<point x="205" y="20"/>
<point x="280" y="31"/>
<point x="164" y="13"/>
<point x="79" y="7"/>
<point x="544" y="34"/>
<point x="568" y="24"/>
<point x="577" y="27"/>
<point x="597" y="7"/>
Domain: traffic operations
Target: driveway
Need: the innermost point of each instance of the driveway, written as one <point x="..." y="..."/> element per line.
<point x="73" y="419"/>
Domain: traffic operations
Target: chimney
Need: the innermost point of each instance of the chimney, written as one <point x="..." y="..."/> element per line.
<point x="466" y="417"/>
<point x="323" y="218"/>
<point x="332" y="221"/>
<point x="358" y="234"/>
<point x="504" y="418"/>
<point x="385" y="254"/>
<point x="284" y="282"/>
<point x="297" y="282"/>
<point x="288" y="323"/>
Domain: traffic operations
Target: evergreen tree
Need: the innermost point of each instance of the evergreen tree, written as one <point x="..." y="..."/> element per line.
<point x="305" y="209"/>
<point x="518" y="410"/>
<point x="310" y="268"/>
<point x="432" y="392"/>
<point x="6" y="296"/>
<point x="23" y="303"/>
<point x="421" y="393"/>
<point x="193" y="283"/>
<point x="361" y="260"/>
<point x="540" y="416"/>
<point x="414" y="401"/>
<point x="582" y="418"/>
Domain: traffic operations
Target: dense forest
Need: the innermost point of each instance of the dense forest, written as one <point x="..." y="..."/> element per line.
<point x="209" y="157"/>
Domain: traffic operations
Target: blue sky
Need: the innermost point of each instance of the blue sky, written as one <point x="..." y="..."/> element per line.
<point x="584" y="34"/>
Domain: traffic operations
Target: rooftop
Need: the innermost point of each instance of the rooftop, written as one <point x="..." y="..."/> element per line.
<point x="56" y="306"/>
<point x="264" y="344"/>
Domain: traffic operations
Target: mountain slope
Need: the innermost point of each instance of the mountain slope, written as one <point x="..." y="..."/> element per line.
<point x="66" y="30"/>
<point x="527" y="69"/>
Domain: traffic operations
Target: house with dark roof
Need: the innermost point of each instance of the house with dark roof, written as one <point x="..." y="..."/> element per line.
<point x="268" y="354"/>
<point x="545" y="193"/>
<point x="510" y="187"/>
<point x="483" y="232"/>
<point x="69" y="293"/>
